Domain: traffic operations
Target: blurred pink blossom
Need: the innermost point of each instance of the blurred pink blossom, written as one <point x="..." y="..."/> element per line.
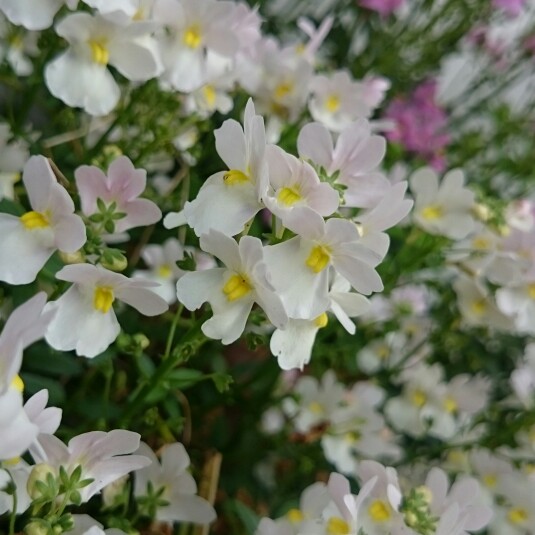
<point x="420" y="124"/>
<point x="383" y="7"/>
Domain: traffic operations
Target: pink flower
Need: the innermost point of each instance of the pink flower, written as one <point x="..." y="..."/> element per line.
<point x="383" y="7"/>
<point x="420" y="124"/>
<point x="513" y="8"/>
<point x="123" y="185"/>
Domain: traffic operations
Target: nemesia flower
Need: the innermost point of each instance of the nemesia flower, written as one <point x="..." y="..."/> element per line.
<point x="103" y="457"/>
<point x="123" y="184"/>
<point x="30" y="240"/>
<point x="80" y="77"/>
<point x="443" y="208"/>
<point x="523" y="377"/>
<point x="352" y="162"/>
<point x="196" y="28"/>
<point x="16" y="49"/>
<point x="300" y="266"/>
<point x="123" y="11"/>
<point x="25" y="325"/>
<point x="420" y="124"/>
<point x="31" y="15"/>
<point x="477" y="305"/>
<point x="336" y="100"/>
<point x="389" y="211"/>
<point x="293" y="345"/>
<point x="517" y="300"/>
<point x="231" y="290"/>
<point x="183" y="505"/>
<point x="12" y="159"/>
<point x="229" y="199"/>
<point x="294" y="184"/>
<point x="383" y="7"/>
<point x="512" y="8"/>
<point x="85" y="320"/>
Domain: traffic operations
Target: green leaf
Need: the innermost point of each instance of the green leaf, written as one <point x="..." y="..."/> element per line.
<point x="247" y="516"/>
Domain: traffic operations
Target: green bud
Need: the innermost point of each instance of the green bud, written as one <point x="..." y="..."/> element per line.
<point x="39" y="474"/>
<point x="141" y="341"/>
<point x="72" y="258"/>
<point x="117" y="262"/>
<point x="37" y="527"/>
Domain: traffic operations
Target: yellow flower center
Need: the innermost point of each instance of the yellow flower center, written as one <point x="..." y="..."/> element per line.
<point x="99" y="53"/>
<point x="17" y="383"/>
<point x="383" y="352"/>
<point x="139" y="14"/>
<point x="192" y="36"/>
<point x="165" y="271"/>
<point x="283" y="90"/>
<point x="450" y="405"/>
<point x="379" y="511"/>
<point x="237" y="287"/>
<point x="531" y="290"/>
<point x="235" y="176"/>
<point x="295" y="516"/>
<point x="11" y="462"/>
<point x="319" y="258"/>
<point x="481" y="243"/>
<point x="321" y="321"/>
<point x="103" y="298"/>
<point x="432" y="212"/>
<point x="517" y="515"/>
<point x="352" y="437"/>
<point x="316" y="408"/>
<point x="490" y="480"/>
<point x="209" y="94"/>
<point x="289" y="196"/>
<point x="479" y="307"/>
<point x="338" y="526"/>
<point x="418" y="398"/>
<point x="34" y="220"/>
<point x="332" y="103"/>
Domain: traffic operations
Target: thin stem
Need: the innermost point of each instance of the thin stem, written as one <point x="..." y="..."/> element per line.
<point x="13" y="515"/>
<point x="172" y="330"/>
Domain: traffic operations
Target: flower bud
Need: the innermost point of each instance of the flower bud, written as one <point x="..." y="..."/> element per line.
<point x="72" y="258"/>
<point x="36" y="528"/>
<point x="39" y="473"/>
<point x="116" y="263"/>
<point x="111" y="493"/>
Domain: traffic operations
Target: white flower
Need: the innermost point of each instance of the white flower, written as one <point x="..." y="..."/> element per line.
<point x="337" y="100"/>
<point x="293" y="345"/>
<point x="444" y="208"/>
<point x="523" y="377"/>
<point x="517" y="300"/>
<point x="103" y="457"/>
<point x="80" y="77"/>
<point x="300" y="266"/>
<point x="389" y="211"/>
<point x="25" y="325"/>
<point x="477" y="306"/>
<point x="13" y="156"/>
<point x="30" y="240"/>
<point x="295" y="184"/>
<point x="229" y="199"/>
<point x="232" y="290"/>
<point x="171" y="474"/>
<point x="196" y="28"/>
<point x="85" y="320"/>
<point x="85" y="525"/>
<point x="30" y="14"/>
<point x="20" y="472"/>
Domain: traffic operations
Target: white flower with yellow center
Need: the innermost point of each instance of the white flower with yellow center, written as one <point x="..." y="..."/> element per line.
<point x="25" y="325"/>
<point x="443" y="208"/>
<point x="300" y="266"/>
<point x="337" y="100"/>
<point x="80" y="76"/>
<point x="295" y="184"/>
<point x="85" y="320"/>
<point x="195" y="30"/>
<point x="517" y="301"/>
<point x="293" y="345"/>
<point x="30" y="240"/>
<point x="229" y="199"/>
<point x="171" y="474"/>
<point x="231" y="290"/>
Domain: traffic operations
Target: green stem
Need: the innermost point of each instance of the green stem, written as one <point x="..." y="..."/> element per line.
<point x="13" y="515"/>
<point x="172" y="330"/>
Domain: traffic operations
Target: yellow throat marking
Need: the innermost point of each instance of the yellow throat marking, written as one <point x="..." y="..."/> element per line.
<point x="34" y="220"/>
<point x="319" y="258"/>
<point x="192" y="37"/>
<point x="237" y="287"/>
<point x="289" y="196"/>
<point x="235" y="176"/>
<point x="103" y="298"/>
<point x="99" y="52"/>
